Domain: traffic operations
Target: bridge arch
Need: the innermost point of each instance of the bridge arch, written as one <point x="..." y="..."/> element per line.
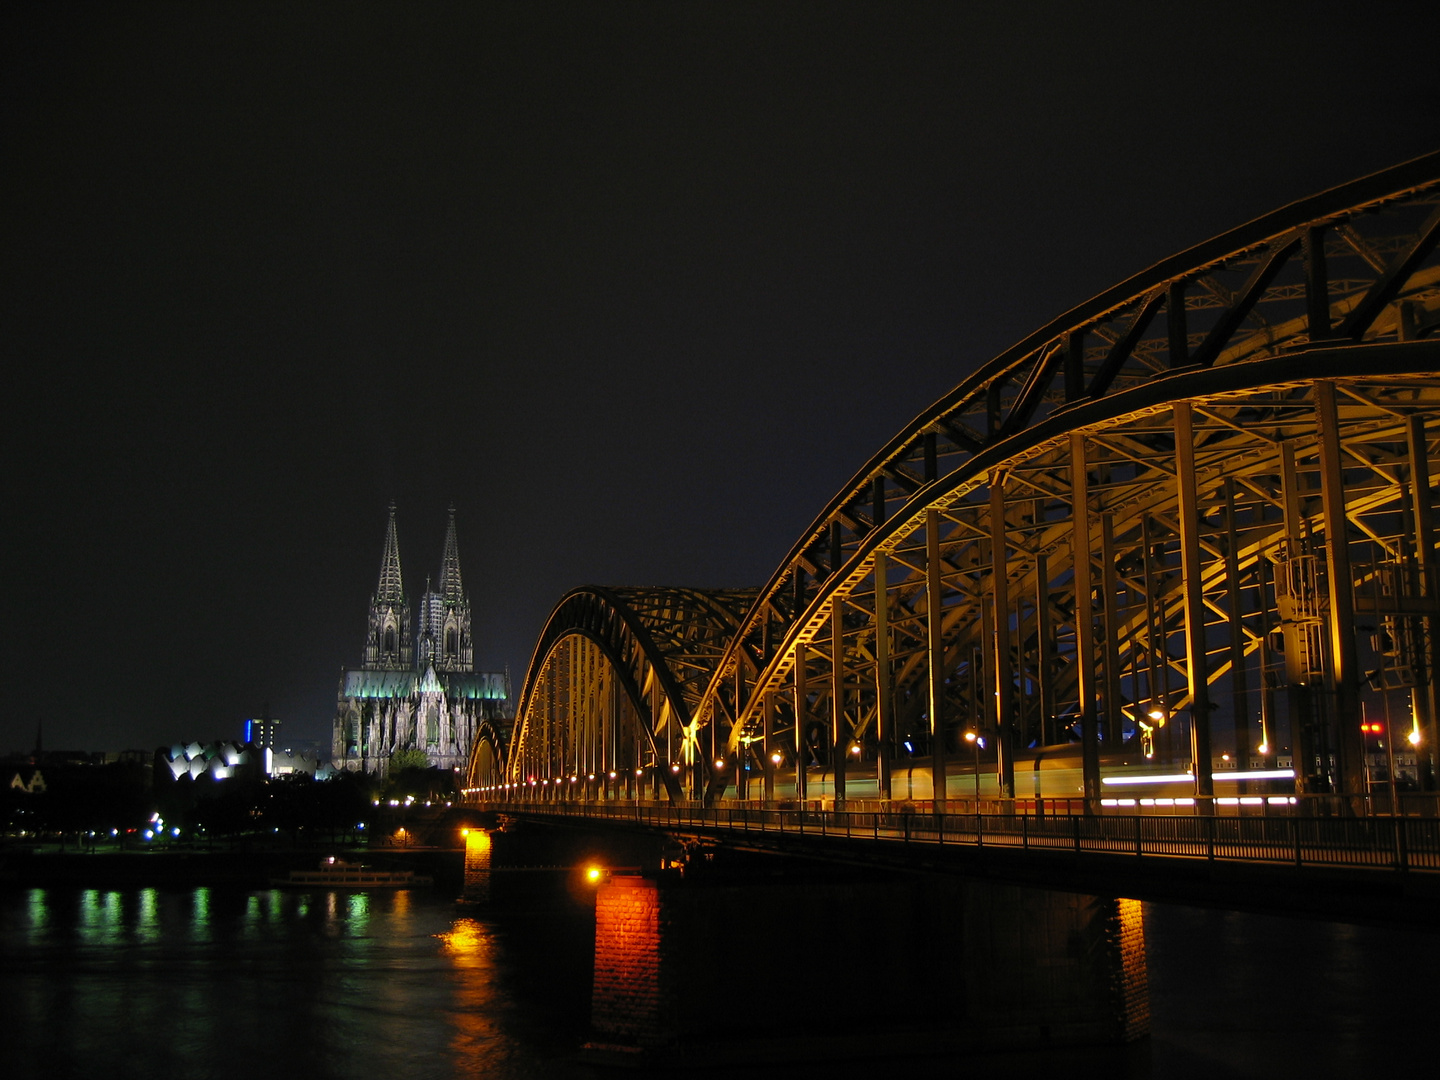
<point x="486" y="767"/>
<point x="608" y="702"/>
<point x="1341" y="286"/>
<point x="1192" y="518"/>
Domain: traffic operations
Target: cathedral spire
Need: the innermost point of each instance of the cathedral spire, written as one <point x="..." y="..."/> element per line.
<point x="450" y="587"/>
<point x="387" y="640"/>
<point x="391" y="589"/>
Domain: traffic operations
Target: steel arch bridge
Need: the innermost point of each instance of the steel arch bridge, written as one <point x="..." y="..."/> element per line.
<point x="1189" y="521"/>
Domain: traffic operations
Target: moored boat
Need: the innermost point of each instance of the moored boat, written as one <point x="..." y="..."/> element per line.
<point x="336" y="873"/>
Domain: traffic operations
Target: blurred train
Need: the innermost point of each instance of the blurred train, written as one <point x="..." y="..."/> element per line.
<point x="1052" y="774"/>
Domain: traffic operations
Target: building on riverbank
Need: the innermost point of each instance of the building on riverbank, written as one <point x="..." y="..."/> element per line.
<point x="416" y="688"/>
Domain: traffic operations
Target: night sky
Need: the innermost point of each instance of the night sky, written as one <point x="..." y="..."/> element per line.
<point x="637" y="286"/>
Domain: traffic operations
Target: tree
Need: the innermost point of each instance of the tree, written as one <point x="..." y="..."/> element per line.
<point x="408" y="759"/>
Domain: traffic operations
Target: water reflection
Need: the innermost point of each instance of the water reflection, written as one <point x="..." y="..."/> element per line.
<point x="227" y="983"/>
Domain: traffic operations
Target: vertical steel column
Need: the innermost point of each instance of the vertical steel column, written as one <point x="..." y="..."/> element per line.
<point x="884" y="677"/>
<point x="1317" y="288"/>
<point x="1426" y="699"/>
<point x="839" y="735"/>
<point x="1004" y="687"/>
<point x="934" y="632"/>
<point x="1197" y="670"/>
<point x="1084" y="623"/>
<point x="1175" y="320"/>
<point x="657" y="707"/>
<point x="742" y="757"/>
<point x="1075" y="366"/>
<point x="1349" y="740"/>
<point x="767" y="767"/>
<point x="1110" y="615"/>
<point x="572" y="738"/>
<point x="1303" y="741"/>
<point x="1044" y="650"/>
<point x="802" y="709"/>
<point x="1155" y="694"/>
<point x="1239" y="681"/>
<point x="1267" y="689"/>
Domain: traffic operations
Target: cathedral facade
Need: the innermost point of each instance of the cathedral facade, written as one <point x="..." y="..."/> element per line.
<point x="417" y="687"/>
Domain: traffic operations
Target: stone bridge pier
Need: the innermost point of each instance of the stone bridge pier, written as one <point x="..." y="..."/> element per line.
<point x="697" y="967"/>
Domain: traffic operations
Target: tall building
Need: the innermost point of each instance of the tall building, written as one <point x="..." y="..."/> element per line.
<point x="417" y="687"/>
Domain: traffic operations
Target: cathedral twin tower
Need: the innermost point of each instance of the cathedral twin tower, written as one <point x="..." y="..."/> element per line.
<point x="417" y="688"/>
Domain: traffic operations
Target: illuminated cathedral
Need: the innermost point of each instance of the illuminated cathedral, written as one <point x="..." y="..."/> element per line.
<point x="417" y="687"/>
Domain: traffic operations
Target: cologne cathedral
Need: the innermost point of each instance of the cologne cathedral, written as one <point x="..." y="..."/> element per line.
<point x="417" y="687"/>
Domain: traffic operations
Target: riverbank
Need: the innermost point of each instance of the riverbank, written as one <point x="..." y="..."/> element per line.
<point x="240" y="866"/>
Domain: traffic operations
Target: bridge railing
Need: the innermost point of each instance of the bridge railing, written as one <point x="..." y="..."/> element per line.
<point x="1396" y="843"/>
<point x="1424" y="804"/>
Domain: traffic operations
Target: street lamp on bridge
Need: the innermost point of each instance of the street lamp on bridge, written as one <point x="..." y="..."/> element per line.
<point x="976" y="742"/>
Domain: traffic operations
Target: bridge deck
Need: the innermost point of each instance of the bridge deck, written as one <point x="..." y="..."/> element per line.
<point x="1375" y="869"/>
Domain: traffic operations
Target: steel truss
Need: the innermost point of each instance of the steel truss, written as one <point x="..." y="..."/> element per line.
<point x="608" y="703"/>
<point x="1190" y="518"/>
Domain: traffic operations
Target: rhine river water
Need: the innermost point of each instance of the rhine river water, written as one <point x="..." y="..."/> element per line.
<point x="212" y="984"/>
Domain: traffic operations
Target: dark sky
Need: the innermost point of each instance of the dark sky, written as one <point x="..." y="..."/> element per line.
<point x="638" y="286"/>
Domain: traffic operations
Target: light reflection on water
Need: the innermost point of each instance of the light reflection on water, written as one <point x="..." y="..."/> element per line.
<point x="216" y="983"/>
<point x="210" y="983"/>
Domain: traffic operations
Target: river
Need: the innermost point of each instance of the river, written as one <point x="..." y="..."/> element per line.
<point x="210" y="984"/>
